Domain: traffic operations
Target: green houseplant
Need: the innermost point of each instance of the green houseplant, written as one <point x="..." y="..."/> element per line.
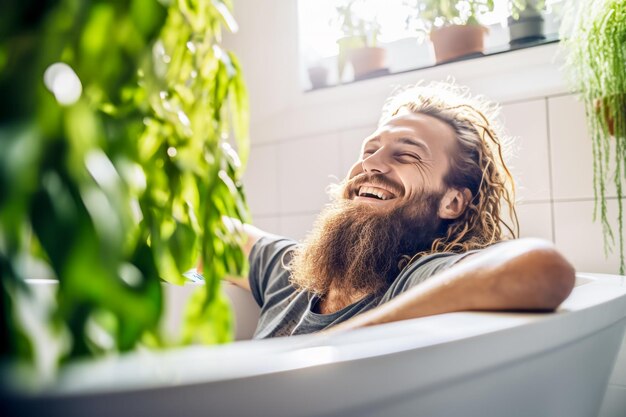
<point x="116" y="165"/>
<point x="359" y="44"/>
<point x="594" y="39"/>
<point x="452" y="25"/>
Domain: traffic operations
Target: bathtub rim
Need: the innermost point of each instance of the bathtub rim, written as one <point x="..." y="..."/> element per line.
<point x="254" y="359"/>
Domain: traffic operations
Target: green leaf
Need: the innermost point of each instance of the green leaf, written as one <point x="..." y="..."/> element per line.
<point x="208" y="322"/>
<point x="129" y="183"/>
<point x="227" y="17"/>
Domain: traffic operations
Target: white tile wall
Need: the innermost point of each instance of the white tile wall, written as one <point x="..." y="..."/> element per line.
<point x="580" y="239"/>
<point x="350" y="145"/>
<point x="261" y="180"/>
<point x="305" y="169"/>
<point x="572" y="160"/>
<point x="290" y="171"/>
<point x="535" y="220"/>
<point x="285" y="186"/>
<point x="269" y="224"/>
<point x="297" y="226"/>
<point x="527" y="122"/>
<point x="321" y="118"/>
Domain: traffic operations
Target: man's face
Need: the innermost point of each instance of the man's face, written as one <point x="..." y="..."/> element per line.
<point x="405" y="158"/>
<point x="390" y="207"/>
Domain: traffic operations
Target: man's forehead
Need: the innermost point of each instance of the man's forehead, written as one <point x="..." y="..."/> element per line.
<point x="416" y="129"/>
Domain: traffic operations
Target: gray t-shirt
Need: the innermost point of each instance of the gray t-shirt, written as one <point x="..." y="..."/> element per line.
<point x="286" y="311"/>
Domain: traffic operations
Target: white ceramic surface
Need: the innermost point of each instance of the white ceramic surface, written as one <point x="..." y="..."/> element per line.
<point x="529" y="159"/>
<point x="300" y="191"/>
<point x="535" y="220"/>
<point x="261" y="180"/>
<point x="297" y="226"/>
<point x="572" y="155"/>
<point x="350" y="145"/>
<point x="470" y="364"/>
<point x="580" y="239"/>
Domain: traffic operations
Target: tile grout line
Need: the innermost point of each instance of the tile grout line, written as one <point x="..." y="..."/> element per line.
<point x="313" y="135"/>
<point x="282" y="215"/>
<point x="368" y="125"/>
<point x="534" y="98"/>
<point x="550" y="176"/>
<point x="279" y="194"/>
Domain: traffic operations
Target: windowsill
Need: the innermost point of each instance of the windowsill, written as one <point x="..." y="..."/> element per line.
<point x="497" y="50"/>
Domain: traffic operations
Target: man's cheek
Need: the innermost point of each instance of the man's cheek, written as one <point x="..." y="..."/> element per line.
<point x="346" y="191"/>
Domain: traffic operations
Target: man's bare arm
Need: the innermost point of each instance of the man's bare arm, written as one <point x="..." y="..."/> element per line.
<point x="251" y="233"/>
<point x="523" y="274"/>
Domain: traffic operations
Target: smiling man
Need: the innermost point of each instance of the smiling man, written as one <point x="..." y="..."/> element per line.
<point x="415" y="229"/>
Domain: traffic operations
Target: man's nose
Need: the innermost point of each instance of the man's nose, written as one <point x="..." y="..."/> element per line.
<point x="376" y="162"/>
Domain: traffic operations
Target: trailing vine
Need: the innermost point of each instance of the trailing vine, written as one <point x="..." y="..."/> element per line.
<point x="595" y="40"/>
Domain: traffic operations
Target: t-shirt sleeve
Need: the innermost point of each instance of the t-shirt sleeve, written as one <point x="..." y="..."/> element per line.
<point x="422" y="270"/>
<point x="266" y="262"/>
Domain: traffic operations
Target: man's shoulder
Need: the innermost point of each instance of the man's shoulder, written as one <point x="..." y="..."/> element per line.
<point x="422" y="269"/>
<point x="432" y="263"/>
<point x="268" y="260"/>
<point x="269" y="245"/>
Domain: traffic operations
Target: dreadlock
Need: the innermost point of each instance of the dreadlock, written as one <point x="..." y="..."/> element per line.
<point x="477" y="165"/>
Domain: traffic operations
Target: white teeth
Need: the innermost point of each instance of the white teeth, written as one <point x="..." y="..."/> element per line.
<point x="373" y="191"/>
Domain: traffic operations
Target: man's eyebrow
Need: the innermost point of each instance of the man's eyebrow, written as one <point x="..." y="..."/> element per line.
<point x="371" y="141"/>
<point x="414" y="142"/>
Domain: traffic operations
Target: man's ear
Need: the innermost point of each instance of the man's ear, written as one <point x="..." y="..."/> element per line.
<point x="453" y="203"/>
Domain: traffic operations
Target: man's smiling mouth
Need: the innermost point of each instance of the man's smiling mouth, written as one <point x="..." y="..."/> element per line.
<point x="369" y="191"/>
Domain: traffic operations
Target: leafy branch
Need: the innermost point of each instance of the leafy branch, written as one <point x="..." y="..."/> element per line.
<point x="126" y="182"/>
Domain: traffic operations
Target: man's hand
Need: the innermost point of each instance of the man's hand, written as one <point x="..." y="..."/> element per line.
<point x="252" y="235"/>
<point x="522" y="274"/>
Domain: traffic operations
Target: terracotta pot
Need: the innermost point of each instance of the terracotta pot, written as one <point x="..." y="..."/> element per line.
<point x="367" y="60"/>
<point x="602" y="108"/>
<point x="454" y="41"/>
<point x="346" y="46"/>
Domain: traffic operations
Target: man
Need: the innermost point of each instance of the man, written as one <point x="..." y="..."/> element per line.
<point x="414" y="230"/>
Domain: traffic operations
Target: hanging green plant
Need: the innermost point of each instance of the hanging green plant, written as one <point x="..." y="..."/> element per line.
<point x="594" y="38"/>
<point x="116" y="165"/>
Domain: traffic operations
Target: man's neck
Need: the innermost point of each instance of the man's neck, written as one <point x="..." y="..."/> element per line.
<point x="337" y="299"/>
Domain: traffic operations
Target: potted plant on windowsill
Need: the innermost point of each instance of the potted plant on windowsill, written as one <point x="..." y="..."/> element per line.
<point x="594" y="38"/>
<point x="318" y="75"/>
<point x="359" y="44"/>
<point x="452" y="26"/>
<point x="116" y="167"/>
<point x="526" y="21"/>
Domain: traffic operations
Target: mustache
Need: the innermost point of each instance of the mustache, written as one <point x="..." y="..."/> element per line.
<point x="375" y="179"/>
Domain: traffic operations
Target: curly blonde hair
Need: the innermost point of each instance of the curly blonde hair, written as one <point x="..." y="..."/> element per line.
<point x="477" y="165"/>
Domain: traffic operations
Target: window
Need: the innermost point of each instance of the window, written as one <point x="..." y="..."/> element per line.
<point x="337" y="37"/>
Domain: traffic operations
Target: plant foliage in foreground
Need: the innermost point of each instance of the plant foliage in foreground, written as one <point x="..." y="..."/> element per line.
<point x="595" y="40"/>
<point x="115" y="165"/>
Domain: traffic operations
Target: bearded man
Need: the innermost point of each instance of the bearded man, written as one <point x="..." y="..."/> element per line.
<point x="415" y="229"/>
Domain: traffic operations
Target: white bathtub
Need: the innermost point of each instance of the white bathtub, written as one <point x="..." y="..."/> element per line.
<point x="459" y="364"/>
